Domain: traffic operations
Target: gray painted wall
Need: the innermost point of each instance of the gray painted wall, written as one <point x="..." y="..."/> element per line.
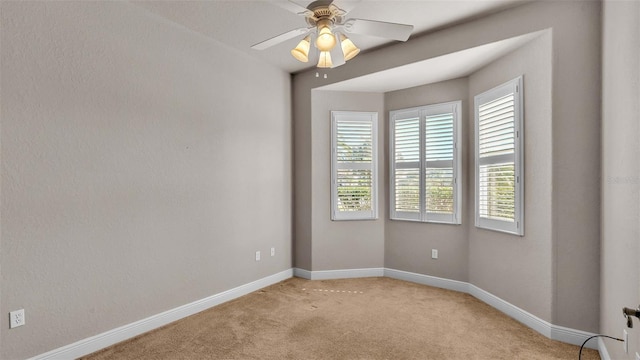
<point x="408" y="244"/>
<point x="620" y="274"/>
<point x="119" y="130"/>
<point x="519" y="269"/>
<point x="302" y="180"/>
<point x="142" y="166"/>
<point x="343" y="244"/>
<point x="570" y="252"/>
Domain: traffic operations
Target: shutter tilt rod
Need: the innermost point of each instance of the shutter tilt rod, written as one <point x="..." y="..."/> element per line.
<point x="628" y="313"/>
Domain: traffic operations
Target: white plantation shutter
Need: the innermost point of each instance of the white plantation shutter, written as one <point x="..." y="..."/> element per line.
<point x="353" y="183"/>
<point x="439" y="174"/>
<point x="406" y="173"/>
<point x="424" y="169"/>
<point x="498" y="118"/>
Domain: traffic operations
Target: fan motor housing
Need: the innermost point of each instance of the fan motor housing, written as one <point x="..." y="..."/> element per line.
<point x="324" y="10"/>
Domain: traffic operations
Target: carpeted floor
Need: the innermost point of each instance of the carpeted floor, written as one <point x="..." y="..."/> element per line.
<point x="369" y="318"/>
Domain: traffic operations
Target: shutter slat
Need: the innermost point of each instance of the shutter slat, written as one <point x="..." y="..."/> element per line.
<point x="496" y="133"/>
<point x="354" y="189"/>
<point x="406" y="140"/>
<point x="354" y="142"/>
<point x="439" y="190"/>
<point x="407" y="190"/>
<point x="439" y="137"/>
<point x="497" y="192"/>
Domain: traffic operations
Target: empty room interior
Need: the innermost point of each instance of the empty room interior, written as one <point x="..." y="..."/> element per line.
<point x="163" y="158"/>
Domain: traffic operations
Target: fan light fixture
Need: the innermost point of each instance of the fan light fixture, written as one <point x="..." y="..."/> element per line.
<point x="349" y="49"/>
<point x="325" y="60"/>
<point x="327" y="28"/>
<point x="301" y="52"/>
<point x="326" y="40"/>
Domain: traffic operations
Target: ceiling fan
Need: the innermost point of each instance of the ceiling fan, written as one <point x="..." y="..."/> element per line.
<point x="328" y="24"/>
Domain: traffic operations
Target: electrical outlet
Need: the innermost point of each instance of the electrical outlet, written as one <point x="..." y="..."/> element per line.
<point x="434" y="253"/>
<point x="625" y="344"/>
<point x="273" y="251"/>
<point x="16" y="318"/>
<point x="257" y="255"/>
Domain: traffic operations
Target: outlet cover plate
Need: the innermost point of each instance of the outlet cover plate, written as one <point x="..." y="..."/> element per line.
<point x="434" y="253"/>
<point x="257" y="255"/>
<point x="16" y="318"/>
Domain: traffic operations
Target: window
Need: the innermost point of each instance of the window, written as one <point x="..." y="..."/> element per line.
<point x="425" y="163"/>
<point x="354" y="165"/>
<point x="499" y="158"/>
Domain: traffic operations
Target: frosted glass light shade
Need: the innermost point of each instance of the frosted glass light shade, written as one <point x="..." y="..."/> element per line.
<point x="325" y="60"/>
<point x="326" y="40"/>
<point x="301" y="52"/>
<point x="349" y="49"/>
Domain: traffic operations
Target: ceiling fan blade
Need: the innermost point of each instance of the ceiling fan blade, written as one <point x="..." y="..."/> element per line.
<point x="337" y="57"/>
<point x="346" y="5"/>
<point x="280" y="38"/>
<point x="382" y="29"/>
<point x="292" y="6"/>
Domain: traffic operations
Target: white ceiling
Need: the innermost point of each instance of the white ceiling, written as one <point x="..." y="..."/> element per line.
<point x="242" y="23"/>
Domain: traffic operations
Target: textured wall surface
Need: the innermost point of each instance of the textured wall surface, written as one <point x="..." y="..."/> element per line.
<point x="142" y="166"/>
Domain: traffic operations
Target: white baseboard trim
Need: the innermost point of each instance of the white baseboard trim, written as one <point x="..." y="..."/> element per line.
<point x="572" y="336"/>
<point x="553" y="332"/>
<point x="302" y="273"/>
<point x="100" y="341"/>
<point x="434" y="281"/>
<point x="338" y="274"/>
<point x="602" y="349"/>
<point x="528" y="319"/>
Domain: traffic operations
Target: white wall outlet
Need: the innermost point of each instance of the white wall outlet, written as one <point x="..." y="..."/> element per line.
<point x="16" y="318"/>
<point x="273" y="251"/>
<point x="625" y="344"/>
<point x="257" y="255"/>
<point x="434" y="253"/>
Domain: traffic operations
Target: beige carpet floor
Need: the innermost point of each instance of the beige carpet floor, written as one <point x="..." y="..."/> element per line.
<point x="369" y="318"/>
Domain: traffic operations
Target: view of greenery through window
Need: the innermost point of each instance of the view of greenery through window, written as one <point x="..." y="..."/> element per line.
<point x="354" y="190"/>
<point x="497" y="192"/>
<point x="354" y="185"/>
<point x="439" y="187"/>
<point x="439" y="190"/>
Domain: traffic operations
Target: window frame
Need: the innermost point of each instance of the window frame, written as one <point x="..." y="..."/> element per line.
<point x="515" y="87"/>
<point x="421" y="112"/>
<point x="358" y="116"/>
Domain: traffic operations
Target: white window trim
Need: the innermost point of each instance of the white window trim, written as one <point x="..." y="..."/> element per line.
<point x="371" y="117"/>
<point x="421" y="112"/>
<point x="517" y="226"/>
